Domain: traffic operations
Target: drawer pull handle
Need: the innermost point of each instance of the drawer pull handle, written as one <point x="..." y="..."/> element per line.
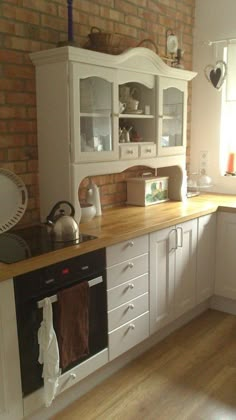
<point x="130" y="152"/>
<point x="130" y="265"/>
<point x="131" y="306"/>
<point x="73" y="376"/>
<point x="131" y="243"/>
<point x="131" y="286"/>
<point x="132" y="326"/>
<point x="148" y="150"/>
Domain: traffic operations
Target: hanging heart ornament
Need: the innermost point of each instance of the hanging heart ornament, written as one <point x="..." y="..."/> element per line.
<point x="216" y="74"/>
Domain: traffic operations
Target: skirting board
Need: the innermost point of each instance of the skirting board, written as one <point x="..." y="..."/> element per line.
<point x="76" y="391"/>
<point x="223" y="304"/>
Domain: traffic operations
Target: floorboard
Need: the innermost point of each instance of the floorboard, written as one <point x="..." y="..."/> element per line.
<point x="191" y="375"/>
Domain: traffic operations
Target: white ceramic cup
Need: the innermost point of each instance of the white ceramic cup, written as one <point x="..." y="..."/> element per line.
<point x="132" y="105"/>
<point x="88" y="212"/>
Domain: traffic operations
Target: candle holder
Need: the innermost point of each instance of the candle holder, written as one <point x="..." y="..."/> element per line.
<point x="70" y="41"/>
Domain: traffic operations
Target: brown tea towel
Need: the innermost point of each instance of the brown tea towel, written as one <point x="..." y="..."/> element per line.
<point x="73" y="323"/>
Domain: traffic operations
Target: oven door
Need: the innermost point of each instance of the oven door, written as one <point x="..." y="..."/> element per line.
<point x="29" y="318"/>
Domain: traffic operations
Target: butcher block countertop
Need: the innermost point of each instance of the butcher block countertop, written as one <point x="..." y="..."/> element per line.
<point x="122" y="223"/>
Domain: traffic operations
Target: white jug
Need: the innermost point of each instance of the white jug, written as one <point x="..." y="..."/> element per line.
<point x="93" y="197"/>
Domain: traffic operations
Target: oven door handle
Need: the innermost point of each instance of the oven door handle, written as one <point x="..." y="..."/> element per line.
<point x="53" y="298"/>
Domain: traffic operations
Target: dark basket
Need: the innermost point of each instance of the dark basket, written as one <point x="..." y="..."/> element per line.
<point x="106" y="42"/>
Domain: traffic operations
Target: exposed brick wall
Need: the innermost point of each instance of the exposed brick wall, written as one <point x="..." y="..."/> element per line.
<point x="29" y="25"/>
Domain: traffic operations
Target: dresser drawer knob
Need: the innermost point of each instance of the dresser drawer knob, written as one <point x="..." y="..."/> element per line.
<point x="131" y="243"/>
<point x="73" y="376"/>
<point x="130" y="265"/>
<point x="131" y="285"/>
<point x="132" y="326"/>
<point x="131" y="306"/>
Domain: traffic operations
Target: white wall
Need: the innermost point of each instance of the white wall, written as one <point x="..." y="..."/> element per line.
<point x="214" y="20"/>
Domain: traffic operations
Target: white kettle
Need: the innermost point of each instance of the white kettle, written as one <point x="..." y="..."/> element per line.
<point x="62" y="227"/>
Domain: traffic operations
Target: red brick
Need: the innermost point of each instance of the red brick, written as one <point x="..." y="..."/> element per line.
<point x="42" y="6"/>
<point x="9" y="140"/>
<point x="19" y="72"/>
<point x="7" y="112"/>
<point x="20" y="98"/>
<point x="21" y="126"/>
<point x="21" y="14"/>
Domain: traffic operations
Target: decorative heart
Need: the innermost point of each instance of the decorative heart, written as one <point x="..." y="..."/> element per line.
<point x="216" y="74"/>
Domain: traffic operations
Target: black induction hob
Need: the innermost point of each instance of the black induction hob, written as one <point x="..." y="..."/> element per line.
<point x="21" y="244"/>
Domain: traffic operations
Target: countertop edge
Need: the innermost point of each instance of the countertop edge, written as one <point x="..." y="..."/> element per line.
<point x="107" y="236"/>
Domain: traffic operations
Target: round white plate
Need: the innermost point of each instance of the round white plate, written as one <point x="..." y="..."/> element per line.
<point x="13" y="198"/>
<point x="13" y="248"/>
<point x="138" y="111"/>
<point x="172" y="44"/>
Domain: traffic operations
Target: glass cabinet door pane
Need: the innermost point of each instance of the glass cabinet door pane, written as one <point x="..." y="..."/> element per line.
<point x="96" y="115"/>
<point x="172" y="127"/>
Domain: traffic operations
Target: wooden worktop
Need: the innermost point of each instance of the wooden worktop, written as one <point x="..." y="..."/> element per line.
<point x="122" y="223"/>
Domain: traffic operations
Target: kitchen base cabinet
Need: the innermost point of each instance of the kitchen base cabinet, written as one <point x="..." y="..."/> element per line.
<point x="161" y="279"/>
<point x="128" y="335"/>
<point x="127" y="295"/>
<point x="11" y="405"/>
<point x="225" y="284"/>
<point x="206" y="257"/>
<point x="185" y="268"/>
<point x="172" y="273"/>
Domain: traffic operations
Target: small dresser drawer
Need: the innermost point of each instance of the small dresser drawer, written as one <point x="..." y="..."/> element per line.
<point x="120" y="273"/>
<point x="127" y="336"/>
<point x="127" y="249"/>
<point x="128" y="151"/>
<point x="147" y="150"/>
<point x="128" y="311"/>
<point x="127" y="291"/>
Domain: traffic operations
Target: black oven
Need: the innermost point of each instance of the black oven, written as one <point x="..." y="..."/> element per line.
<point x="32" y="287"/>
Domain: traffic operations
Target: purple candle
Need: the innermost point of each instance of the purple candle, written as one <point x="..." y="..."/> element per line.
<point x="70" y="22"/>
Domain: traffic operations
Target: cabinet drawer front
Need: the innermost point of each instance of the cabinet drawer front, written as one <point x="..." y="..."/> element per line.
<point x="127" y="249"/>
<point x="148" y="150"/>
<point x="129" y="151"/>
<point x="128" y="311"/>
<point x="120" y="273"/>
<point x="127" y="291"/>
<point x="128" y="335"/>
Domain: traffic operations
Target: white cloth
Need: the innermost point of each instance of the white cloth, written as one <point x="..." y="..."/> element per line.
<point x="48" y="353"/>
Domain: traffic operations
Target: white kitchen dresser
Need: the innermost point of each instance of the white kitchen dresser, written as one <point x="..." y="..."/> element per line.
<point x="78" y="117"/>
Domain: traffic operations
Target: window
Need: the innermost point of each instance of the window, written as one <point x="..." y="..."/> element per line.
<point x="228" y="115"/>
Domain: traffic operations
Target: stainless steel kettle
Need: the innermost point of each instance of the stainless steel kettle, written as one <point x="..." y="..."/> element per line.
<point x="63" y="228"/>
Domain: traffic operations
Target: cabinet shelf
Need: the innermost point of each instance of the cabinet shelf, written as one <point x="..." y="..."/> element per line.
<point x="142" y="116"/>
<point x="96" y="114"/>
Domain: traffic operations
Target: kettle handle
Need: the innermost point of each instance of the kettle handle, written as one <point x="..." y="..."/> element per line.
<point x="57" y="206"/>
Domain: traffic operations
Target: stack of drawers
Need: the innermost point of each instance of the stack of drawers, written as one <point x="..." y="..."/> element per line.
<point x="127" y="294"/>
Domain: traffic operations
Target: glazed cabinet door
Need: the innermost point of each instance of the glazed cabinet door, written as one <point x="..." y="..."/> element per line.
<point x="206" y="256"/>
<point x="11" y="403"/>
<point x="185" y="267"/>
<point x="162" y="272"/>
<point x="172" y="116"/>
<point x="94" y="113"/>
<point x="225" y="284"/>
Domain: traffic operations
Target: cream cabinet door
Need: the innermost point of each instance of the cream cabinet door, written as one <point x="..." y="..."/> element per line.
<point x="172" y="116"/>
<point x="206" y="256"/>
<point x="94" y="113"/>
<point x="11" y="403"/>
<point x="185" y="267"/>
<point x="225" y="284"/>
<point x="162" y="272"/>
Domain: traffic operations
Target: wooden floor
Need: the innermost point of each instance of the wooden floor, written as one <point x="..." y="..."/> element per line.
<point x="189" y="375"/>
